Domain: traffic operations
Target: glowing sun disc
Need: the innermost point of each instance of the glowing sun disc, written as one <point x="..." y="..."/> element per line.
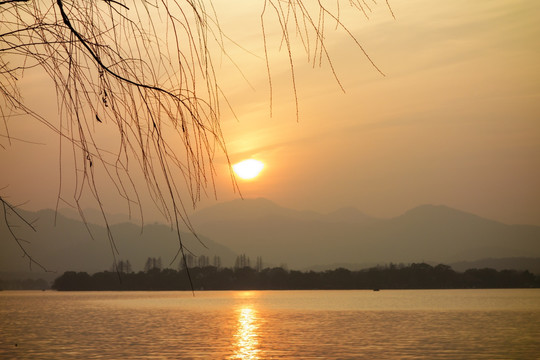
<point x="248" y="169"/>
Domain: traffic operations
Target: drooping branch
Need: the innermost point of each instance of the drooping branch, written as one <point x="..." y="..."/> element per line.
<point x="7" y="210"/>
<point x="145" y="69"/>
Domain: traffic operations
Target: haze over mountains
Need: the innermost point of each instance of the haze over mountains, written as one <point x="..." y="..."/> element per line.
<point x="281" y="236"/>
<point x="303" y="239"/>
<point x="68" y="245"/>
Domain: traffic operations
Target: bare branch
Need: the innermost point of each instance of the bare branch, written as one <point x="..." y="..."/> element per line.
<point x="9" y="209"/>
<point x="146" y="70"/>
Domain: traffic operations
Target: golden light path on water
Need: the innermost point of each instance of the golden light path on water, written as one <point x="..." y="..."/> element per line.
<point x="246" y="345"/>
<point x="246" y="335"/>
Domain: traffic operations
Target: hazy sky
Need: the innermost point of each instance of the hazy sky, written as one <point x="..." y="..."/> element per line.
<point x="454" y="121"/>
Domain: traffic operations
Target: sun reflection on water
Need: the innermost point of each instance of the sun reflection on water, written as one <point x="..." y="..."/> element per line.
<point x="247" y="343"/>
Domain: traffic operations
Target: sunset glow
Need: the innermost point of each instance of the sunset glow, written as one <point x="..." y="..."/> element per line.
<point x="248" y="169"/>
<point x="256" y="179"/>
<point x="454" y="121"/>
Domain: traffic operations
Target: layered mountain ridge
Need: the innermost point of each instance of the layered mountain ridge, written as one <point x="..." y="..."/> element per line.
<point x="281" y="236"/>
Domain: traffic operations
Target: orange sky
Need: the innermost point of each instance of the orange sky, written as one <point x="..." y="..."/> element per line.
<point x="455" y="121"/>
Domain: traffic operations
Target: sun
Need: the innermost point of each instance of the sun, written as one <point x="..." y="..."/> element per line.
<point x="248" y="169"/>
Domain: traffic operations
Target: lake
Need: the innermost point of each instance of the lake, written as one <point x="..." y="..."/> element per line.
<point x="397" y="324"/>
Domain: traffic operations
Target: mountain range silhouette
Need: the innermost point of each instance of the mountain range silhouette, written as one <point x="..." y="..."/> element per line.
<point x="281" y="236"/>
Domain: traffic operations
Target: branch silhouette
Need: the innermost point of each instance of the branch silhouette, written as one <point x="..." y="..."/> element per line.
<point x="145" y="69"/>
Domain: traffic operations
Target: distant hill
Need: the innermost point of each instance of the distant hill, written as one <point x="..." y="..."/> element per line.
<point x="437" y="234"/>
<point x="252" y="209"/>
<point x="68" y="245"/>
<point x="348" y="215"/>
<point x="299" y="239"/>
<point x="94" y="216"/>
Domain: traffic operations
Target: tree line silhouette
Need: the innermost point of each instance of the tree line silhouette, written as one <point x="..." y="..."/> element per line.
<point x="413" y="276"/>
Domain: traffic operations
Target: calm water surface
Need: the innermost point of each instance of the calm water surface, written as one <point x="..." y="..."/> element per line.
<point x="419" y="324"/>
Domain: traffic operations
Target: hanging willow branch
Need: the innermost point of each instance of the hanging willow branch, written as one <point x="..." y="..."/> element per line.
<point x="143" y="68"/>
